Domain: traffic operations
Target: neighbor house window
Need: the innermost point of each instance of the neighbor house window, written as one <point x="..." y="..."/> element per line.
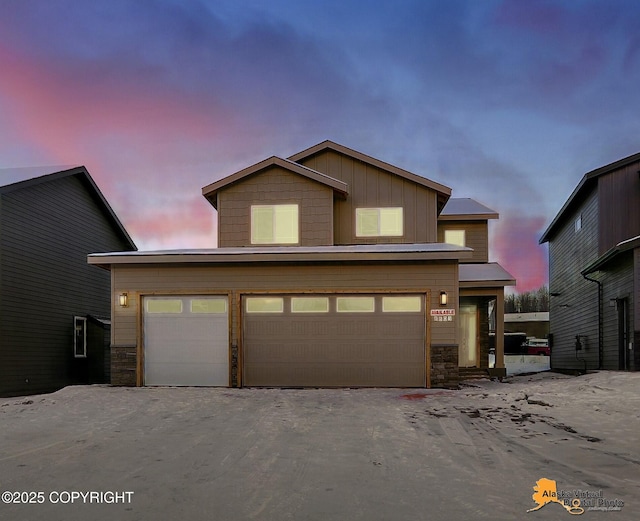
<point x="265" y="304"/>
<point x="274" y="224"/>
<point x="405" y="304"/>
<point x="355" y="304"/>
<point x="80" y="337"/>
<point x="379" y="222"/>
<point x="309" y="304"/>
<point x="457" y="237"/>
<point x="578" y="223"/>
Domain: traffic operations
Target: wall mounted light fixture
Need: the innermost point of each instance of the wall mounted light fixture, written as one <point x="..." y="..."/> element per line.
<point x="444" y="298"/>
<point x="123" y="299"/>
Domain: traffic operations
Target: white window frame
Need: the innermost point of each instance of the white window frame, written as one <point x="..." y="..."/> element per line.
<point x="362" y="298"/>
<point x="275" y="210"/>
<point x="381" y="211"/>
<point x="80" y="325"/>
<point x="456" y="242"/>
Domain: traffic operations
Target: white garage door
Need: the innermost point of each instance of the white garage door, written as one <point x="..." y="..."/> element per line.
<point x="186" y="341"/>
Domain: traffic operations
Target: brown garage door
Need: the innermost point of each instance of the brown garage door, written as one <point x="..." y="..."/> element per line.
<point x="334" y="340"/>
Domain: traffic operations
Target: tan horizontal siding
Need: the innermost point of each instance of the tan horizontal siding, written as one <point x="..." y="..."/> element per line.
<point x="476" y="234"/>
<point x="136" y="280"/>
<point x="275" y="186"/>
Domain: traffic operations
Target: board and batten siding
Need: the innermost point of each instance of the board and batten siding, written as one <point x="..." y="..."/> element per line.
<point x="476" y="237"/>
<point x="47" y="230"/>
<point x="372" y="187"/>
<point x="619" y="203"/>
<point x="235" y="280"/>
<point x="574" y="311"/>
<point x="617" y="283"/>
<point x="275" y="186"/>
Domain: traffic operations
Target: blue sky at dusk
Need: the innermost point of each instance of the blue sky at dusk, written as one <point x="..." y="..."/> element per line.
<point x="508" y="102"/>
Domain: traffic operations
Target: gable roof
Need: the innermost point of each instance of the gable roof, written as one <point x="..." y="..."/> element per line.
<point x="465" y="209"/>
<point x="444" y="192"/>
<point x="12" y="179"/>
<point x="586" y="184"/>
<point x="210" y="191"/>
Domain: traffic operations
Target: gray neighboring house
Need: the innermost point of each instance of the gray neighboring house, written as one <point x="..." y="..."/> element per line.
<point x="55" y="310"/>
<point x="594" y="271"/>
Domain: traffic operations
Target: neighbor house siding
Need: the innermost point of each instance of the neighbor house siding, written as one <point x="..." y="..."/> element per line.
<point x="636" y="292"/>
<point x="617" y="284"/>
<point x="574" y="311"/>
<point x="225" y="279"/>
<point x="476" y="235"/>
<point x="619" y="203"/>
<point x="47" y="231"/>
<point x="370" y="186"/>
<point x="275" y="186"/>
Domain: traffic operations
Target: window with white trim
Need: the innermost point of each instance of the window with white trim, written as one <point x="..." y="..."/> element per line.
<point x="379" y="222"/>
<point x="457" y="237"/>
<point x="309" y="304"/>
<point x="80" y="337"/>
<point x="274" y="224"/>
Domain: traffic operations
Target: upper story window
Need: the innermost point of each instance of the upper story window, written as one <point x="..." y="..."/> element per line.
<point x="274" y="224"/>
<point x="457" y="237"/>
<point x="578" y="223"/>
<point x="379" y="222"/>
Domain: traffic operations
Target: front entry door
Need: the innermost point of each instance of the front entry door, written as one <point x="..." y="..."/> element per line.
<point x="468" y="347"/>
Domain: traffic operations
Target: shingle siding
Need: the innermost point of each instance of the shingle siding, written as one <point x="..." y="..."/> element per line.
<point x="47" y="231"/>
<point x="574" y="311"/>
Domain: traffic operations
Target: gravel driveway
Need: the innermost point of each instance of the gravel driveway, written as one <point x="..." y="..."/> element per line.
<point x="103" y="453"/>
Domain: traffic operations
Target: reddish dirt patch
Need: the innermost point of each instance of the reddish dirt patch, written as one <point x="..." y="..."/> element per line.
<point x="420" y="396"/>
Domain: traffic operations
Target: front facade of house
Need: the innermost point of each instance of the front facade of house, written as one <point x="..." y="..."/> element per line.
<point x="331" y="271"/>
<point x="54" y="308"/>
<point x="594" y="272"/>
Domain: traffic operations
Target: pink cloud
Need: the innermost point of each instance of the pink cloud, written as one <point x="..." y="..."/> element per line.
<point x="515" y="246"/>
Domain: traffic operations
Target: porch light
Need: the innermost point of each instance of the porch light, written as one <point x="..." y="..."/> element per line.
<point x="123" y="299"/>
<point x="444" y="299"/>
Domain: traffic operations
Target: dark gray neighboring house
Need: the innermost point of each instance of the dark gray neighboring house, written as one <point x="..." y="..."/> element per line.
<point x="594" y="271"/>
<point x="55" y="310"/>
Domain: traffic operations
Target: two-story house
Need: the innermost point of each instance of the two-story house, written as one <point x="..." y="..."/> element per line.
<point x="594" y="271"/>
<point x="333" y="268"/>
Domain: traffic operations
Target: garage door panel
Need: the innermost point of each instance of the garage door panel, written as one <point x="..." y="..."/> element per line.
<point x="189" y="346"/>
<point x="330" y="375"/>
<point x="365" y="349"/>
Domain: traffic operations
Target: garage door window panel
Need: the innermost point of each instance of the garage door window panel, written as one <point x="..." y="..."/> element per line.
<point x="264" y="305"/>
<point x="355" y="304"/>
<point x="274" y="224"/>
<point x="408" y="304"/>
<point x="309" y="304"/>
<point x="170" y="306"/>
<point x="208" y="306"/>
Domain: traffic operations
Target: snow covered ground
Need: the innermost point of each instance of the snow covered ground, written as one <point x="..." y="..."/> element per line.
<point x="325" y="454"/>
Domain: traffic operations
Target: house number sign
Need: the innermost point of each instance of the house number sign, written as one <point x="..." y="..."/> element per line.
<point x="443" y="315"/>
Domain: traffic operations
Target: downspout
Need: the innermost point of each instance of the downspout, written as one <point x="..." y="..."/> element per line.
<point x="600" y="320"/>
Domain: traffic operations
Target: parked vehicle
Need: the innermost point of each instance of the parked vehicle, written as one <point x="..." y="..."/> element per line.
<point x="537" y="346"/>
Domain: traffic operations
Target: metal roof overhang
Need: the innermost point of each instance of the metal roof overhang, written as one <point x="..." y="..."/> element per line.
<point x="286" y="254"/>
<point x="489" y="275"/>
<point x="604" y="259"/>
